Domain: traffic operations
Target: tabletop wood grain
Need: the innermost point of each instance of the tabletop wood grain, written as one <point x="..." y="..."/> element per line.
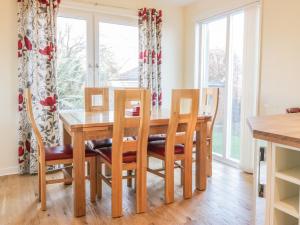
<point x="281" y="129"/>
<point x="81" y="119"/>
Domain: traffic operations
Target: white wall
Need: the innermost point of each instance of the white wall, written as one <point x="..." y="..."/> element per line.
<point x="200" y="10"/>
<point x="280" y="59"/>
<point x="172" y="67"/>
<point x="8" y="87"/>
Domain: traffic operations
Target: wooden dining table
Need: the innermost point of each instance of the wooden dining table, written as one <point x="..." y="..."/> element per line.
<point x="80" y="126"/>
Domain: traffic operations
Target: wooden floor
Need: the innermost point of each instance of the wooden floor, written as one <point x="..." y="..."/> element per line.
<point x="227" y="200"/>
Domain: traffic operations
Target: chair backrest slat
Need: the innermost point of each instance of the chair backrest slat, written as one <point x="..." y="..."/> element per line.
<point x="132" y="122"/>
<point x="189" y="119"/>
<point x="37" y="133"/>
<point x="129" y="104"/>
<point x="88" y="99"/>
<point x="123" y="121"/>
<point x="130" y="146"/>
<point x="209" y="106"/>
<point x="180" y="138"/>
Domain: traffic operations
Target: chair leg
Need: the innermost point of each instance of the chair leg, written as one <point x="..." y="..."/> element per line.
<point x="135" y="180"/>
<point x="39" y="177"/>
<point x="43" y="187"/>
<point x="93" y="178"/>
<point x="69" y="172"/>
<point x="116" y="191"/>
<point x="209" y="159"/>
<point x="187" y="177"/>
<point x="88" y="169"/>
<point x="107" y="171"/>
<point x="129" y="180"/>
<point x="141" y="189"/>
<point x="169" y="181"/>
<point x="99" y="178"/>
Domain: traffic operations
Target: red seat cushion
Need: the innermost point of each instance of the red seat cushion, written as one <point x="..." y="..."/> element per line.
<point x="156" y="138"/>
<point x="293" y="110"/>
<point x="63" y="152"/>
<point x="158" y="147"/>
<point x="95" y="144"/>
<point x="128" y="157"/>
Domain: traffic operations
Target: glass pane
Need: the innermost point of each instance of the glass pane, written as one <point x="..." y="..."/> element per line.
<point x="71" y="61"/>
<point x="219" y="131"/>
<point x="215" y="51"/>
<point x="235" y="68"/>
<point x="118" y="55"/>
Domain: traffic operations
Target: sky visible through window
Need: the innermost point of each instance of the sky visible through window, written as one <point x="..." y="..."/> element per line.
<point x="122" y="41"/>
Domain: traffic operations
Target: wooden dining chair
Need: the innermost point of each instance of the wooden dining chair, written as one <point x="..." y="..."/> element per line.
<point x="103" y="93"/>
<point x="209" y="106"/>
<point x="127" y="154"/>
<point x="49" y="156"/>
<point x="90" y="106"/>
<point x="178" y="146"/>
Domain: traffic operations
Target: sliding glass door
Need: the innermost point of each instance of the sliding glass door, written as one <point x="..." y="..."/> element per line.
<point x="221" y="63"/>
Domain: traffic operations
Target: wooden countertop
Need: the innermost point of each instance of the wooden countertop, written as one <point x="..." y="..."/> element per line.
<point x="281" y="129"/>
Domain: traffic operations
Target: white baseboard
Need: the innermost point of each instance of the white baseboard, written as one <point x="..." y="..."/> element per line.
<point x="9" y="171"/>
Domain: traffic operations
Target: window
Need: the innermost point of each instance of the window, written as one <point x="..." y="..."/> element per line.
<point x="72" y="61"/>
<point x="221" y="65"/>
<point x="94" y="50"/>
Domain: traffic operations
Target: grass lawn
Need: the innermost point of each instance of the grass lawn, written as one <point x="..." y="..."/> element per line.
<point x="218" y="144"/>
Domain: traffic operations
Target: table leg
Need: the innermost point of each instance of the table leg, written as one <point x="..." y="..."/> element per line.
<point x="201" y="157"/>
<point x="141" y="181"/>
<point x="67" y="139"/>
<point x="79" y="174"/>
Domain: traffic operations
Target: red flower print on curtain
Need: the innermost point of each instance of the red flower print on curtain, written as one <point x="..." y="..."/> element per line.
<point x="150" y="23"/>
<point x="36" y="70"/>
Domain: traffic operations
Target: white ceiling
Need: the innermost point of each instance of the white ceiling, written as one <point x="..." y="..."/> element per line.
<point x="179" y="2"/>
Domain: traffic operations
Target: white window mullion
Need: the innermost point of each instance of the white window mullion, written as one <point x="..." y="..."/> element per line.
<point x="198" y="57"/>
<point x="228" y="95"/>
<point x="97" y="79"/>
<point x="205" y="57"/>
<point x="202" y="60"/>
<point x="90" y="52"/>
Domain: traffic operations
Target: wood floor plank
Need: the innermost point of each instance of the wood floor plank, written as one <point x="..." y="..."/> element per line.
<point x="227" y="201"/>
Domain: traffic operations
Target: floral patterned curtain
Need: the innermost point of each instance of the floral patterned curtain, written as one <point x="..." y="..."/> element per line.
<point x="36" y="70"/>
<point x="150" y="23"/>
